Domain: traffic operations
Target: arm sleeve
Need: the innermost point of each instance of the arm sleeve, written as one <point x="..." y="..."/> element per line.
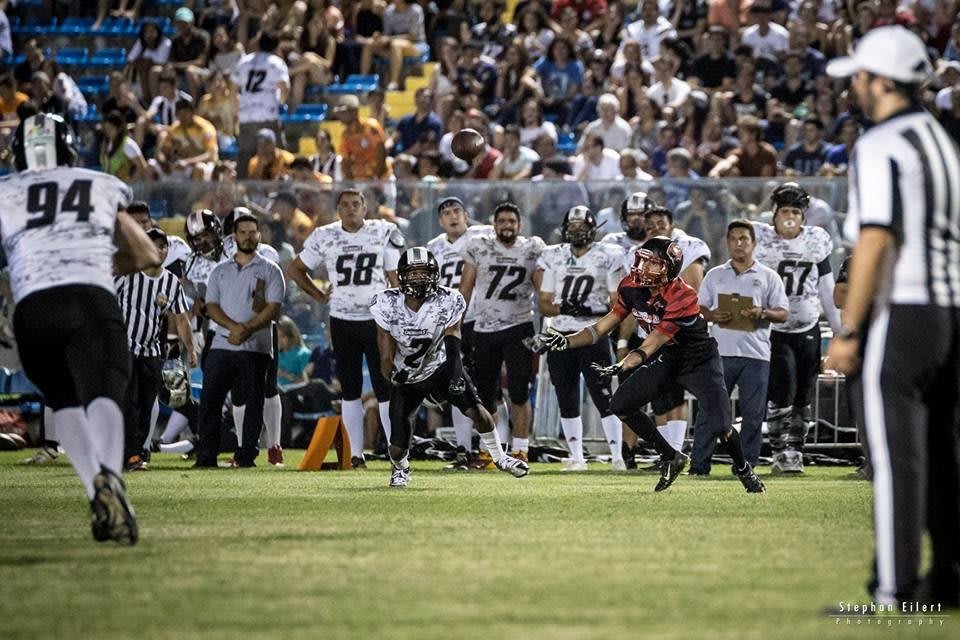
<point x="776" y="293"/>
<point x="468" y="253"/>
<point x="880" y="202"/>
<point x="135" y="51"/>
<point x="548" y="282"/>
<point x="620" y="309"/>
<point x="163" y="51"/>
<point x="179" y="304"/>
<point x="312" y="255"/>
<point x="707" y="297"/>
<point x="276" y="288"/>
<point x="377" y="305"/>
<point x="213" y="288"/>
<point x="459" y="307"/>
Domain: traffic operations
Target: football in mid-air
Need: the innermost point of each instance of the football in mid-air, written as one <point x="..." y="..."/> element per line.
<point x="467" y="144"/>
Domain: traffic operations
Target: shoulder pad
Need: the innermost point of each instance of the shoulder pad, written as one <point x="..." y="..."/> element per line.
<point x="395" y="238"/>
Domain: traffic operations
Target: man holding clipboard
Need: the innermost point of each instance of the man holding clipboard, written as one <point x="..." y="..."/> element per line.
<point x="741" y="298"/>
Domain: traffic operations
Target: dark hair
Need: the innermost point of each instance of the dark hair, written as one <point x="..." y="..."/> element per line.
<point x="657" y="210"/>
<point x="508" y="207"/>
<point x="552" y="47"/>
<point x="300" y="162"/>
<point x="246" y="217"/>
<point x="909" y="90"/>
<point x="742" y="223"/>
<point x="183" y="103"/>
<point x="167" y="76"/>
<point x="511" y="130"/>
<point x="6" y="81"/>
<point x="815" y="121"/>
<point x="137" y="207"/>
<point x="142" y="36"/>
<point x="267" y="42"/>
<point x="156" y="233"/>
<point x="351" y="192"/>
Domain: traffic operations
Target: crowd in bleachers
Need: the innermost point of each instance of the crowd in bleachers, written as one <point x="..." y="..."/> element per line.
<point x="671" y="88"/>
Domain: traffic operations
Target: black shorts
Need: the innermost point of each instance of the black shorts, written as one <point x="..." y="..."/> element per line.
<point x="494" y="349"/>
<point x="672" y="398"/>
<point x="565" y="369"/>
<point x="73" y="345"/>
<point x="352" y="340"/>
<point x="405" y="399"/>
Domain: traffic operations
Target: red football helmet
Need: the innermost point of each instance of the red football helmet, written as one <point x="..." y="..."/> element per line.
<point x="657" y="262"/>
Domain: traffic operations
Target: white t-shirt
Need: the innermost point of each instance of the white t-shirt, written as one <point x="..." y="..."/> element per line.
<point x="776" y="41"/>
<point x="674" y="95"/>
<point x="650" y="37"/>
<point x="588" y="279"/>
<point x="616" y="136"/>
<point x="693" y="248"/>
<point x="57" y="227"/>
<point x="608" y="169"/>
<point x="529" y="135"/>
<point x="503" y="290"/>
<point x="265" y="251"/>
<point x="160" y="54"/>
<point x="800" y="263"/>
<point x="356" y="263"/>
<point x="418" y="334"/>
<point x="258" y="78"/>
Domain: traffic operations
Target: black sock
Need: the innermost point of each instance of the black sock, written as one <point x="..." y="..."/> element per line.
<point x="732" y="440"/>
<point x="641" y="424"/>
<point x="51" y="444"/>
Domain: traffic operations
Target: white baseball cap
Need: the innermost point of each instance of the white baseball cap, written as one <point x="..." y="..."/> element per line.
<point x="891" y="52"/>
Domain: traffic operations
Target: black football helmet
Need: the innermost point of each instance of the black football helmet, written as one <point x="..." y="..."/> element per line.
<point x="43" y="141"/>
<point x="584" y="235"/>
<point x="637" y="202"/>
<point x="790" y="194"/>
<point x="204" y="233"/>
<point x="658" y="261"/>
<point x="418" y="272"/>
<point x="228" y="221"/>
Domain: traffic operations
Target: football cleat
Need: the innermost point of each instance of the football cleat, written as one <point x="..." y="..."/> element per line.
<point x="574" y="466"/>
<point x="515" y="466"/>
<point x="135" y="463"/>
<point x="275" y="455"/>
<point x="618" y="466"/>
<point x="400" y="477"/>
<point x="112" y="514"/>
<point x="670" y="470"/>
<point x="482" y="462"/>
<point x="789" y="461"/>
<point x="43" y="456"/>
<point x="750" y="481"/>
<point x="461" y="462"/>
<point x="520" y="455"/>
<point x="358" y="462"/>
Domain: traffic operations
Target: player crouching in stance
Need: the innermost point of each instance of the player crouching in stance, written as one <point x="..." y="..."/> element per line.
<point x="677" y="349"/>
<point x="418" y="334"/>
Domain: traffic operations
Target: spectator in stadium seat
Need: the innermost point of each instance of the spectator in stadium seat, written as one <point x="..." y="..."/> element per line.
<point x="403" y="35"/>
<point x="269" y="162"/>
<point x="807" y="156"/>
<point x="120" y="155"/>
<point x="327" y="161"/>
<point x="10" y="99"/>
<point x="222" y="58"/>
<point x="533" y="125"/>
<point x="561" y="75"/>
<point x="838" y="156"/>
<point x="297" y="225"/>
<point x="668" y="90"/>
<point x="517" y="82"/>
<point x="596" y="161"/>
<point x="423" y="120"/>
<point x="219" y="106"/>
<point x="163" y="108"/>
<point x="814" y="61"/>
<point x="668" y="137"/>
<point x="122" y="99"/>
<point x="588" y="12"/>
<point x="146" y="58"/>
<point x="516" y="163"/>
<point x="121" y="11"/>
<point x="765" y="36"/>
<point x="363" y="143"/>
<point x="889" y="13"/>
<point x="476" y="77"/>
<point x="749" y="98"/>
<point x="650" y="30"/>
<point x="614" y="130"/>
<point x="631" y="165"/>
<point x="754" y="158"/>
<point x="45" y="98"/>
<point x="793" y="89"/>
<point x="33" y="62"/>
<point x="301" y="171"/>
<point x="492" y="31"/>
<point x="535" y="34"/>
<point x="190" y="45"/>
<point x="293" y="355"/>
<point x="187" y="149"/>
<point x="716" y="68"/>
<point x="570" y="29"/>
<point x="311" y="65"/>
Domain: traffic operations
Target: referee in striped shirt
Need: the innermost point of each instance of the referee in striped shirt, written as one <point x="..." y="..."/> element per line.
<point x="145" y="298"/>
<point x="901" y="321"/>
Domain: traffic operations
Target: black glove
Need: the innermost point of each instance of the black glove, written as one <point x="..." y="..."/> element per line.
<point x="574" y="309"/>
<point x="399" y="377"/>
<point x="607" y="371"/>
<point x="457" y="386"/>
<point x="550" y="340"/>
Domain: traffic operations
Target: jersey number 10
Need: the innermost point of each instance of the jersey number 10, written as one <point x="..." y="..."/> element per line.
<point x="44" y="198"/>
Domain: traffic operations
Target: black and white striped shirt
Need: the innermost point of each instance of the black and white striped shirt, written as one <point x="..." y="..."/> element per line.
<point x="905" y="176"/>
<point x="144" y="301"/>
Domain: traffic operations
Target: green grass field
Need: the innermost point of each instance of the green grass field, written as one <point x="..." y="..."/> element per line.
<point x="273" y="553"/>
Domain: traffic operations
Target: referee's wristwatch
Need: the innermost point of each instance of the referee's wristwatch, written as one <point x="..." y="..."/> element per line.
<point x="847" y="333"/>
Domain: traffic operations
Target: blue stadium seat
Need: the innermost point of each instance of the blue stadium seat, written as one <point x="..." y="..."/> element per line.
<point x="229" y="152"/>
<point x="72" y="56"/>
<point x="566" y="144"/>
<point x="110" y="58"/>
<point x="76" y="26"/>
<point x="355" y="83"/>
<point x="95" y="86"/>
<point x="34" y="26"/>
<point x="92" y="116"/>
<point x="316" y="112"/>
<point x="118" y="27"/>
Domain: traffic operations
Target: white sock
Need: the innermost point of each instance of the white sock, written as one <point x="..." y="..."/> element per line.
<point x="105" y="425"/>
<point x="402" y="463"/>
<point x="491" y="442"/>
<point x="677" y="430"/>
<point x="154" y="414"/>
<point x="239" y="413"/>
<point x="181" y="447"/>
<point x="75" y="440"/>
<point x="614" y="435"/>
<point x="49" y="425"/>
<point x="522" y="445"/>
<point x="272" y="415"/>
<point x="176" y="423"/>
<point x="503" y="422"/>
<point x="573" y="432"/>
<point x="384" y="409"/>
<point x="353" y="421"/>
<point x="463" y="427"/>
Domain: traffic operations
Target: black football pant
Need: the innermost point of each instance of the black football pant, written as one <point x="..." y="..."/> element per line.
<point x="141" y="393"/>
<point x="794" y="367"/>
<point x="565" y="368"/>
<point x="223" y="371"/>
<point x="490" y="352"/>
<point x="911" y="386"/>
<point x="352" y="340"/>
<point x="405" y="399"/>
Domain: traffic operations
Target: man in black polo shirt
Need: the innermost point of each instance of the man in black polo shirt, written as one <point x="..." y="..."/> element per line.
<point x="716" y="68"/>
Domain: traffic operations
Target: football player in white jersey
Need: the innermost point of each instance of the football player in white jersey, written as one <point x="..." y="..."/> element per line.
<point x="498" y="274"/>
<point x="272" y="407"/>
<point x="178" y="251"/>
<point x="671" y="409"/>
<point x="418" y="335"/>
<point x="801" y="255"/>
<point x="204" y="235"/>
<point x="262" y="81"/>
<point x="65" y="239"/>
<point x="361" y="257"/>
<point x="577" y="284"/>
<point x="446" y="248"/>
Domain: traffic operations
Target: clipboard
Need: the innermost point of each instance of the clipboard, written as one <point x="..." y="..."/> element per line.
<point x="734" y="303"/>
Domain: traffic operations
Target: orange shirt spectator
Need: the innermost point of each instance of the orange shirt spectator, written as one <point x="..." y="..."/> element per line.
<point x="363" y="145"/>
<point x="269" y="163"/>
<point x="298" y="224"/>
<point x="10" y="99"/>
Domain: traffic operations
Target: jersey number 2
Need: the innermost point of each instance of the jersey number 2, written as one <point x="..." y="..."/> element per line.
<point x="420" y="347"/>
<point x="43" y="198"/>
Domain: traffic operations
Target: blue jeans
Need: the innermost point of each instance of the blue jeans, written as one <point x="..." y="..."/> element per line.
<point x="750" y="376"/>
